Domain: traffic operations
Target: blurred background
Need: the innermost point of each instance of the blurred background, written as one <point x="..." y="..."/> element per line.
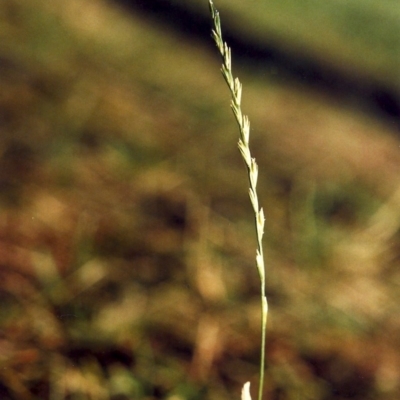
<point x="126" y="234"/>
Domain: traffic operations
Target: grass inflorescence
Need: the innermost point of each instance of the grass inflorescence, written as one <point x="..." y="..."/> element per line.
<point x="235" y="88"/>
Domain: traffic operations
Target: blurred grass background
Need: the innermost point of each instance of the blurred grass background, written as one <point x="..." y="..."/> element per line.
<point x="126" y="235"/>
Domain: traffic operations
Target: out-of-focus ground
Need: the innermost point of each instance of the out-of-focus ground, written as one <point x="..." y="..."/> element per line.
<point x="126" y="235"/>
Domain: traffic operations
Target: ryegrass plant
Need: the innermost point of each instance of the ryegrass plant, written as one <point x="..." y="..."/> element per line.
<point x="235" y="88"/>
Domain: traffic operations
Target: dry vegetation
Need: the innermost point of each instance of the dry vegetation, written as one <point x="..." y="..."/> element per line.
<point x="126" y="245"/>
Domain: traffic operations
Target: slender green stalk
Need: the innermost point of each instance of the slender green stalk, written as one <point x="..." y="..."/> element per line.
<point x="235" y="88"/>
